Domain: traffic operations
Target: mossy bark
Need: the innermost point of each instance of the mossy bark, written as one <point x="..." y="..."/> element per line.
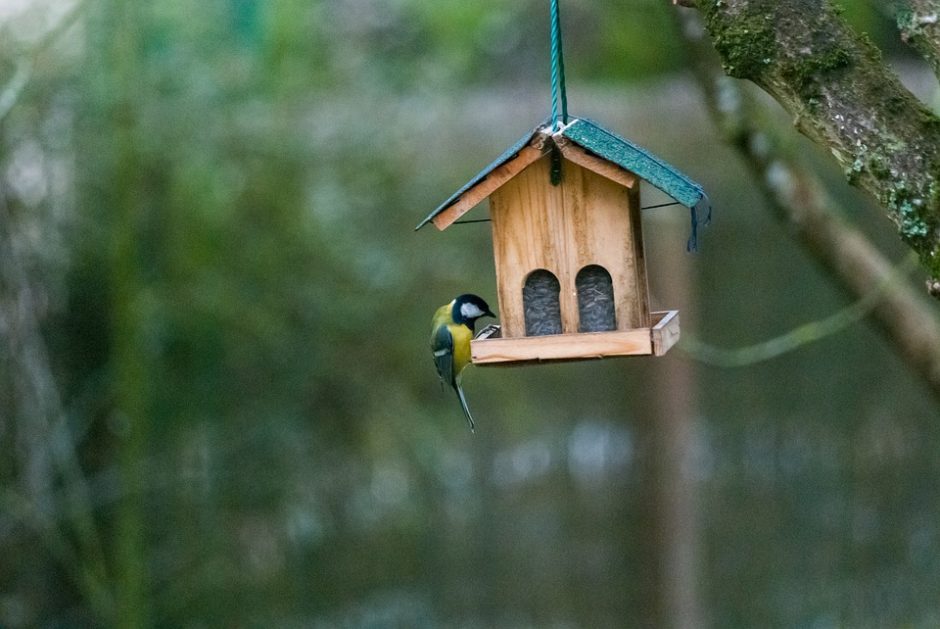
<point x="919" y="23"/>
<point x="844" y="97"/>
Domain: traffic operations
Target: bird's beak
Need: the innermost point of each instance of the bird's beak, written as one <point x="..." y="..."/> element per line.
<point x="489" y="314"/>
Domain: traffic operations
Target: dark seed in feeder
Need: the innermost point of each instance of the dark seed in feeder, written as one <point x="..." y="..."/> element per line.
<point x="595" y="300"/>
<point x="542" y="308"/>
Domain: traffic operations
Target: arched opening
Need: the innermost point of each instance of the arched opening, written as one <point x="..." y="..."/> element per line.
<point x="541" y="304"/>
<point x="595" y="300"/>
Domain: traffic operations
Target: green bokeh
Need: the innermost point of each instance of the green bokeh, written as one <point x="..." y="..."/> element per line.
<point x="211" y="291"/>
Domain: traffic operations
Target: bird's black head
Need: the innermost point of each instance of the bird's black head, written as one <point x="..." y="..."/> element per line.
<point x="468" y="308"/>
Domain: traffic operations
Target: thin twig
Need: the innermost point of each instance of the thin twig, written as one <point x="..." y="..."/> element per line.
<point x="14" y="87"/>
<point x="87" y="581"/>
<point x="11" y="92"/>
<point x="28" y="348"/>
<point x="799" y="336"/>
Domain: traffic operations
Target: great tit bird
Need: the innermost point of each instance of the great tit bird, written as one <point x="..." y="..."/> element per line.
<point x="451" y="331"/>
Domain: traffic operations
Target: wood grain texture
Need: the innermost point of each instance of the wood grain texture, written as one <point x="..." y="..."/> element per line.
<point x="488" y="186"/>
<point x="587" y="219"/>
<point x="562" y="347"/>
<point x="638" y="257"/>
<point x="637" y="342"/>
<point x="595" y="164"/>
<point x="525" y="213"/>
<point x="665" y="331"/>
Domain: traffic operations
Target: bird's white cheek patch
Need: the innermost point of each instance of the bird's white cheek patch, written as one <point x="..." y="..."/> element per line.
<point x="470" y="311"/>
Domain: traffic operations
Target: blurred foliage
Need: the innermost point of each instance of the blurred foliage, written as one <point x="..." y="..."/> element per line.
<point x="218" y="406"/>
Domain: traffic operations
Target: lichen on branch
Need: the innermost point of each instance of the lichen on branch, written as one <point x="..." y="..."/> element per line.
<point x="919" y="24"/>
<point x="843" y="96"/>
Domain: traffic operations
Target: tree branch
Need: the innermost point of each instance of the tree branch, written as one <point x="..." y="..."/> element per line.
<point x="10" y="93"/>
<point x="919" y="23"/>
<point x="799" y="198"/>
<point x="845" y="98"/>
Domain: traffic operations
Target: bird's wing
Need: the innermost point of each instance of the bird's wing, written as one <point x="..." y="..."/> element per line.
<point x="442" y="347"/>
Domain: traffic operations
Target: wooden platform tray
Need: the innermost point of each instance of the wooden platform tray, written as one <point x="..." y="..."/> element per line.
<point x="655" y="341"/>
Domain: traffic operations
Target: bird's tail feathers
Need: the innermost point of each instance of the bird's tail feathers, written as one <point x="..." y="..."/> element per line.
<point x="463" y="405"/>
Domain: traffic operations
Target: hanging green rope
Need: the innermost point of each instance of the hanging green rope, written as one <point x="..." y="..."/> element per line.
<point x="559" y="98"/>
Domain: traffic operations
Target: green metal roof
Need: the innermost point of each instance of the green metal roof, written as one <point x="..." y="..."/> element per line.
<point x="617" y="150"/>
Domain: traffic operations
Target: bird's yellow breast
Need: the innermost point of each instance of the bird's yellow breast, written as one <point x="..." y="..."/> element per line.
<point x="462" y="336"/>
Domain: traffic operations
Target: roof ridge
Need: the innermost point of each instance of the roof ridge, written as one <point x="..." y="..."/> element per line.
<point x="614" y="149"/>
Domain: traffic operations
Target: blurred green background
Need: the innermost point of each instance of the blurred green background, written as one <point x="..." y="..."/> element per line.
<point x="217" y="407"/>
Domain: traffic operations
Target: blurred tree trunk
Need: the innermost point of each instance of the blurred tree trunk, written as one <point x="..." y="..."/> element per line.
<point x="129" y="358"/>
<point x="844" y="97"/>
<point x="677" y="511"/>
<point x="670" y="439"/>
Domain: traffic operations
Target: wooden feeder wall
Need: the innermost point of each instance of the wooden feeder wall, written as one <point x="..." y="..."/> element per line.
<point x="576" y="233"/>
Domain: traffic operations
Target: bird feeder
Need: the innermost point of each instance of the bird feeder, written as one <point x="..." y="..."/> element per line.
<point x="568" y="241"/>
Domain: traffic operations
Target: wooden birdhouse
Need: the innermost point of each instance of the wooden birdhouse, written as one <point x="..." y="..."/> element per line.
<point x="568" y="245"/>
